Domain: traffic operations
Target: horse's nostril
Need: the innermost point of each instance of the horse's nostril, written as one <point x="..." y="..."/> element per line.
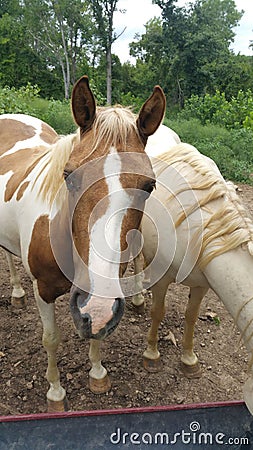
<point x="93" y="317"/>
<point x="118" y="306"/>
<point x="86" y="324"/>
<point x="86" y="319"/>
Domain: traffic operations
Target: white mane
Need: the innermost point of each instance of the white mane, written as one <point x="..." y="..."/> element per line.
<point x="228" y="225"/>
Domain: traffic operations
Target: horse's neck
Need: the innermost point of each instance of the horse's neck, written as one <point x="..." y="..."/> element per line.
<point x="230" y="276"/>
<point x="161" y="141"/>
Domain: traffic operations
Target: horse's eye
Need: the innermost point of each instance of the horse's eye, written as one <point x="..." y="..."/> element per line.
<point x="66" y="173"/>
<point x="69" y="180"/>
<point x="149" y="186"/>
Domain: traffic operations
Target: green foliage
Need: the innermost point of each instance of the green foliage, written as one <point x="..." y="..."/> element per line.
<point x="20" y="60"/>
<point x="131" y="101"/>
<point x="248" y="122"/>
<point x="58" y="115"/>
<point x="26" y="101"/>
<point x="18" y="100"/>
<point x="195" y="44"/>
<point x="235" y="113"/>
<point x="186" y="50"/>
<point x="100" y="98"/>
<point x="232" y="150"/>
<point x="230" y="74"/>
<point x="61" y="33"/>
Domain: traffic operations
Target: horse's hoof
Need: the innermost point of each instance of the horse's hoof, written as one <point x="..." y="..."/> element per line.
<point x="99" y="386"/>
<point x="139" y="309"/>
<point x="152" y="365"/>
<point x="193" y="371"/>
<point x="19" y="302"/>
<point x="59" y="406"/>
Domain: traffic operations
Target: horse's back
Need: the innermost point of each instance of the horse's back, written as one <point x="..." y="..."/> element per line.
<point x="161" y="141"/>
<point x="24" y="140"/>
<point x="20" y="131"/>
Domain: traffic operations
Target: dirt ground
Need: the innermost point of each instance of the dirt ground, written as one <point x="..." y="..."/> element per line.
<point x="23" y="360"/>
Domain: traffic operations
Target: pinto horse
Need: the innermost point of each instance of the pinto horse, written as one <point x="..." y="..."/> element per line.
<point x="196" y="232"/>
<point x="68" y="206"/>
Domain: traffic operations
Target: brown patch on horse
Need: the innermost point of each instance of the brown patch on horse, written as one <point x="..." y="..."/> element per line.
<point x="51" y="281"/>
<point x="12" y="131"/>
<point x="21" y="163"/>
<point x="22" y="190"/>
<point x="48" y="134"/>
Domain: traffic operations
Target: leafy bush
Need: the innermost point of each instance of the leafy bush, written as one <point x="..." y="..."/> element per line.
<point x="129" y="100"/>
<point x="100" y="99"/>
<point x="248" y="122"/>
<point x="18" y="100"/>
<point x="58" y="115"/>
<point x="235" y="113"/>
<point x="26" y="100"/>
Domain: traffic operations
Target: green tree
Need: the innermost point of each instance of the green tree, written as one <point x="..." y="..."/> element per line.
<point x="60" y="30"/>
<point x="231" y="74"/>
<point x="189" y="46"/>
<point x="9" y="7"/>
<point x="211" y="34"/>
<point x="19" y="63"/>
<point x="154" y="62"/>
<point x="103" y="13"/>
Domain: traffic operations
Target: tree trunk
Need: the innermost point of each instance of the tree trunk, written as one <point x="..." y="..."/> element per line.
<point x="67" y="68"/>
<point x="65" y="80"/>
<point x="109" y="75"/>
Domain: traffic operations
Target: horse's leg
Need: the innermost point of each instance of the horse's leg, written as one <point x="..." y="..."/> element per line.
<point x="138" y="299"/>
<point x="18" y="296"/>
<point x="56" y="395"/>
<point x="99" y="381"/>
<point x="151" y="356"/>
<point x="189" y="360"/>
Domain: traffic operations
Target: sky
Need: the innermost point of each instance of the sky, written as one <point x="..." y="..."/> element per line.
<point x="138" y="12"/>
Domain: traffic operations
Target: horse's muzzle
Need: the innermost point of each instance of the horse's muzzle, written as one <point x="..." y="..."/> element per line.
<point x="95" y="317"/>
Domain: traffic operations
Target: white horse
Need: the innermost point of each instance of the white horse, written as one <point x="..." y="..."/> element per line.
<point x="196" y="232"/>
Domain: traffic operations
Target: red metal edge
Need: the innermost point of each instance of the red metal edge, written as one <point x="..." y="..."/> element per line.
<point x="101" y="412"/>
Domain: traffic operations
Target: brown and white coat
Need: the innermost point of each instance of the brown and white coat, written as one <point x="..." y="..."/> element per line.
<point x="67" y="205"/>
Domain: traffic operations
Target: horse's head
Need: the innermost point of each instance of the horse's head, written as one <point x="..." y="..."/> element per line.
<point x="108" y="177"/>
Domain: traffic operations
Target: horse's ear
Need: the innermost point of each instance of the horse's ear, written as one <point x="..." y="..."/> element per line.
<point x="151" y="113"/>
<point x="83" y="104"/>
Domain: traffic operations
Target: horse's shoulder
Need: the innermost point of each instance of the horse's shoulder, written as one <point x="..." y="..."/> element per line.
<point x="42" y="258"/>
